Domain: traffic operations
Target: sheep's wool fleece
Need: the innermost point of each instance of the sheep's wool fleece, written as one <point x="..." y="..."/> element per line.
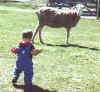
<point x="57" y="17"/>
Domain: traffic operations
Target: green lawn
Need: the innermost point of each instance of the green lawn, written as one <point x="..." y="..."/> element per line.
<point x="60" y="68"/>
<point x="14" y="5"/>
<point x="25" y="5"/>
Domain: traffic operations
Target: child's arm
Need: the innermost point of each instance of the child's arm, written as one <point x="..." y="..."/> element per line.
<point x="35" y="52"/>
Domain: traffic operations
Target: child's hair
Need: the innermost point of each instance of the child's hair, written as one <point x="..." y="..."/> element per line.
<point x="27" y="34"/>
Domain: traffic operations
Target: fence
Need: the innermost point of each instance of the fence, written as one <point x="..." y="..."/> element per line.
<point x="93" y="6"/>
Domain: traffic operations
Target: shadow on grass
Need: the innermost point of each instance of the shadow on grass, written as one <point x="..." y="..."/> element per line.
<point x="73" y="45"/>
<point x="32" y="88"/>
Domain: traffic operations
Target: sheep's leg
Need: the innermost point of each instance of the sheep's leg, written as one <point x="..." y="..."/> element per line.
<point x="67" y="35"/>
<point x="35" y="32"/>
<point x="40" y="37"/>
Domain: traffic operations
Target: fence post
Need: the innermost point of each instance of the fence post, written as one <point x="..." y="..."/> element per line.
<point x="98" y="9"/>
<point x="47" y="2"/>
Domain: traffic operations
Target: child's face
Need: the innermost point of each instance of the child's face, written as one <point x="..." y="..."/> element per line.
<point x="26" y="39"/>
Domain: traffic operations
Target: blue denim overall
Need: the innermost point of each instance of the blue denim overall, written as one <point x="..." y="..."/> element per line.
<point x="24" y="63"/>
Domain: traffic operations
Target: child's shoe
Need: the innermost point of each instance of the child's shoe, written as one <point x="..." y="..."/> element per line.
<point x="28" y="87"/>
<point x="14" y="80"/>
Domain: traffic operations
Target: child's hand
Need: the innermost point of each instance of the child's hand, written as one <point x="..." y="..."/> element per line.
<point x="35" y="52"/>
<point x="41" y="50"/>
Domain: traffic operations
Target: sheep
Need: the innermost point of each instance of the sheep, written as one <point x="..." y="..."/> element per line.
<point x="57" y="18"/>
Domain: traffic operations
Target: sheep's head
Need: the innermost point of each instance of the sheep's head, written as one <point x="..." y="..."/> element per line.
<point x="79" y="8"/>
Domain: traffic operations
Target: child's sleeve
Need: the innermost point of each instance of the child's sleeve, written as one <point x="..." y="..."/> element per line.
<point x="32" y="47"/>
<point x="14" y="50"/>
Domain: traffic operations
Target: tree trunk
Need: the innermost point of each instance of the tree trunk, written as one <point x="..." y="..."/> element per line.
<point x="98" y="9"/>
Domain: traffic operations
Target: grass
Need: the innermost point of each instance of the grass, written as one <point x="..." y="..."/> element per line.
<point x="74" y="68"/>
<point x="18" y="5"/>
<point x="22" y="5"/>
<point x="15" y="5"/>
